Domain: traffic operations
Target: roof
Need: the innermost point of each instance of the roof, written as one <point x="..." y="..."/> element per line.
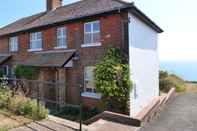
<point x="4" y="57"/>
<point x="77" y="10"/>
<point x="56" y="59"/>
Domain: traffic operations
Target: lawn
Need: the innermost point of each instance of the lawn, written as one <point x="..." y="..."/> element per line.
<point x="10" y="120"/>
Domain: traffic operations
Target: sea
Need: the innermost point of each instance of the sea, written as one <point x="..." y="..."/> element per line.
<point x="185" y="69"/>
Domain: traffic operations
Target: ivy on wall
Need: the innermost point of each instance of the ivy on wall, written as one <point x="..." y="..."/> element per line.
<point x="113" y="82"/>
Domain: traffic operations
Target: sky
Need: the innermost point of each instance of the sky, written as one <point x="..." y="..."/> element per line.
<point x="178" y="18"/>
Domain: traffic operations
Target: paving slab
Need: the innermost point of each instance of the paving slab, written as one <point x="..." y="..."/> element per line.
<point x="105" y="125"/>
<point x="50" y="124"/>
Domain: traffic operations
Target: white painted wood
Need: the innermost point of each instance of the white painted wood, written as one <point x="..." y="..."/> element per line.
<point x="69" y="64"/>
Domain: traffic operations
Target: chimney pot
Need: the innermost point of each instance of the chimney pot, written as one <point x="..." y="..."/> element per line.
<point x="53" y="4"/>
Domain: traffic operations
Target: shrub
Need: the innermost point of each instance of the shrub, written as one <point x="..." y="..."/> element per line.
<point x="32" y="110"/>
<point x="26" y="72"/>
<point x="20" y="105"/>
<point x="5" y="96"/>
<point x="15" y="103"/>
<point x="73" y="112"/>
<point x="180" y="88"/>
<point x="165" y="85"/>
<point x="4" y="128"/>
<point x="89" y="112"/>
<point x="112" y="81"/>
<point x="167" y="81"/>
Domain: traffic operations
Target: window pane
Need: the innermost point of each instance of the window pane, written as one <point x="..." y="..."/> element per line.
<point x="39" y="35"/>
<point x="61" y="37"/>
<point x="89" y="79"/>
<point x="90" y="84"/>
<point x="88" y="27"/>
<point x="64" y="42"/>
<point x="61" y="42"/>
<point x="63" y="32"/>
<point x="58" y="32"/>
<point x="58" y="42"/>
<point x="13" y="44"/>
<point x="96" y="26"/>
<point x="96" y="37"/>
<point x="88" y="38"/>
<point x="36" y="40"/>
<point x="39" y="44"/>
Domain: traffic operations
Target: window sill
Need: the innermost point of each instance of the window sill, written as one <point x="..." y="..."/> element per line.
<point x="91" y="45"/>
<point x="60" y="47"/>
<point x="32" y="50"/>
<point x="91" y="95"/>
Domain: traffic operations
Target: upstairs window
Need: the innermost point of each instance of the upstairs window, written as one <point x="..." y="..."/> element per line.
<point x="61" y="37"/>
<point x="92" y="33"/>
<point x="13" y="44"/>
<point x="36" y="41"/>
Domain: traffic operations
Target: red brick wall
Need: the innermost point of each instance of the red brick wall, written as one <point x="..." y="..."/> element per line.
<point x="89" y="102"/>
<point x="4" y="44"/>
<point x="111" y="34"/>
<point x="49" y="38"/>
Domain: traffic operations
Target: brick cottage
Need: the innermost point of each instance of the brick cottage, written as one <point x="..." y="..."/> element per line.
<point x="66" y="42"/>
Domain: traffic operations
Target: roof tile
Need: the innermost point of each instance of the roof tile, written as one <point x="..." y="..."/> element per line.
<point x="64" y="13"/>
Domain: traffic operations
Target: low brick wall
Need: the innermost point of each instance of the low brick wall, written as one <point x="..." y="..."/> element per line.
<point x="148" y="113"/>
<point x="114" y="117"/>
<point x="155" y="106"/>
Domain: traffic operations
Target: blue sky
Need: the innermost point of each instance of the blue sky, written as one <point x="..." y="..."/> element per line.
<point x="177" y="17"/>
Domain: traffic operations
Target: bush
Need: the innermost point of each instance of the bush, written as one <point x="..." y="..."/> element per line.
<point x="165" y="85"/>
<point x="167" y="81"/>
<point x="113" y="82"/>
<point x="20" y="105"/>
<point x="73" y="112"/>
<point x="15" y="103"/>
<point x="32" y="110"/>
<point x="26" y="72"/>
<point x="5" y="96"/>
<point x="180" y="88"/>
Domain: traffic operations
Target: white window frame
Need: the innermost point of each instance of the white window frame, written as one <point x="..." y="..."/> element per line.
<point x="61" y="36"/>
<point x="13" y="44"/>
<point x="86" y="93"/>
<point x="92" y="32"/>
<point x="34" y="39"/>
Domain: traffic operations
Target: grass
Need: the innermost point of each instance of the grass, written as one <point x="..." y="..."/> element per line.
<point x="10" y="120"/>
<point x="191" y="87"/>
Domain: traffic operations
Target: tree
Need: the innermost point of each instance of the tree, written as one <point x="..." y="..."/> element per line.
<point x="113" y="82"/>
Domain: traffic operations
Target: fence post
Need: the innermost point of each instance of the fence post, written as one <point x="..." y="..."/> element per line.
<point x="38" y="98"/>
<point x="80" y="124"/>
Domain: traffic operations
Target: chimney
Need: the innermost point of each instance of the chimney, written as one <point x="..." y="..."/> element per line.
<point x="53" y="4"/>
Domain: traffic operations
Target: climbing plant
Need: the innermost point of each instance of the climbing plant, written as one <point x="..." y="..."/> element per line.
<point x="113" y="82"/>
<point x="27" y="72"/>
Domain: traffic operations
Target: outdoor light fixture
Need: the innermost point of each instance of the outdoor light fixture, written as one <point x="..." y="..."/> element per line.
<point x="76" y="56"/>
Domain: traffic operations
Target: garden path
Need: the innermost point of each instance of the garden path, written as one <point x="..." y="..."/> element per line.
<point x="50" y="124"/>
